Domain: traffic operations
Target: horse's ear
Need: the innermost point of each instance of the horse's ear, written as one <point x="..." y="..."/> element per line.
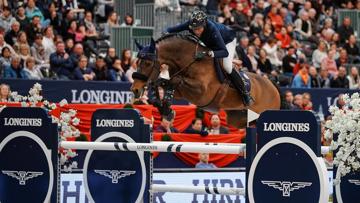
<point x="152" y="45"/>
<point x="138" y="45"/>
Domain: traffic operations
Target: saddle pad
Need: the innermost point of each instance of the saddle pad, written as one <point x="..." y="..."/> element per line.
<point x="246" y="80"/>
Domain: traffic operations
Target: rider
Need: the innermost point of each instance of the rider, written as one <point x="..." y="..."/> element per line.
<point x="221" y="40"/>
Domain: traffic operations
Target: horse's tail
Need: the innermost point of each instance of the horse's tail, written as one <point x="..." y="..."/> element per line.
<point x="283" y="103"/>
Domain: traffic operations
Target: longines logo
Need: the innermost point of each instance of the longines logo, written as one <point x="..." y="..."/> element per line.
<point x="287" y="127"/>
<point x="22" y="176"/>
<point x="115" y="175"/>
<point x="114" y="123"/>
<point x="37" y="122"/>
<point x="355" y="182"/>
<point x="285" y="186"/>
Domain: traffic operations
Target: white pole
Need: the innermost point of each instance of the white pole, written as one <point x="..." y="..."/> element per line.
<point x="155" y="188"/>
<point x="152" y="147"/>
<point x="205" y="143"/>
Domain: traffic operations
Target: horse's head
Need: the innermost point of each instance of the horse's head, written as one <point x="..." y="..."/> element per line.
<point x="148" y="68"/>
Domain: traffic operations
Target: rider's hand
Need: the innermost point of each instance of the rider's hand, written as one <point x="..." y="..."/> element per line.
<point x="211" y="54"/>
<point x="200" y="55"/>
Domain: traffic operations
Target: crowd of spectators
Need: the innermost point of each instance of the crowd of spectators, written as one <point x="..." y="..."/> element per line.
<point x="53" y="39"/>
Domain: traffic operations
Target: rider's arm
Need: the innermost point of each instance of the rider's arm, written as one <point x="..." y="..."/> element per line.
<point x="220" y="50"/>
<point x="178" y="28"/>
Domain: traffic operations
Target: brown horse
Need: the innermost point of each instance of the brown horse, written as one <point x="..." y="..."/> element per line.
<point x="197" y="81"/>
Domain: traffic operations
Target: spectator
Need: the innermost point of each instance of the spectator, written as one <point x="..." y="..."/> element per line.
<point x="21" y="40"/>
<point x="11" y="35"/>
<point x="352" y="49"/>
<point x="264" y="64"/>
<point x="21" y="18"/>
<point x="60" y="62"/>
<point x="226" y="16"/>
<point x="131" y="70"/>
<point x="276" y="20"/>
<point x="319" y="54"/>
<point x="340" y="80"/>
<point x="240" y="19"/>
<point x="110" y="56"/>
<point x="65" y="23"/>
<point x="126" y="56"/>
<point x="324" y="78"/>
<point x="111" y="22"/>
<point x="204" y="162"/>
<point x="70" y="34"/>
<point x="116" y="73"/>
<point x="215" y="127"/>
<point x="298" y="102"/>
<point x="33" y="29"/>
<point x="286" y="16"/>
<point x="196" y="127"/>
<point x="53" y="16"/>
<point x="240" y="50"/>
<point x="5" y="59"/>
<point x="302" y="78"/>
<point x="89" y="24"/>
<point x="100" y="69"/>
<point x="166" y="126"/>
<point x="33" y="72"/>
<point x="289" y="62"/>
<point x="252" y="57"/>
<point x="330" y="63"/>
<point x="315" y="78"/>
<point x="284" y="38"/>
<point x="259" y="8"/>
<point x="76" y="53"/>
<point x="32" y="10"/>
<point x="15" y="70"/>
<point x="128" y="20"/>
<point x="4" y="92"/>
<point x="257" y="24"/>
<point x="271" y="48"/>
<point x="48" y="41"/>
<point x="343" y="58"/>
<point x="353" y="77"/>
<point x="6" y="19"/>
<point x="266" y="33"/>
<point x="289" y="99"/>
<point x="24" y="53"/>
<point x="69" y="45"/>
<point x="303" y="27"/>
<point x="38" y="51"/>
<point x="83" y="72"/>
<point x="307" y="104"/>
<point x="346" y="30"/>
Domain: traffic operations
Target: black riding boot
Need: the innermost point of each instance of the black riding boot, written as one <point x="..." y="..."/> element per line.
<point x="240" y="86"/>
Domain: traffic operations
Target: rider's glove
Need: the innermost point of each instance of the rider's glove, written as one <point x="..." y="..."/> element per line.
<point x="211" y="54"/>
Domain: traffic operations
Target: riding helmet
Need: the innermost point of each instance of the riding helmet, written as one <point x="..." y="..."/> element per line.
<point x="198" y="19"/>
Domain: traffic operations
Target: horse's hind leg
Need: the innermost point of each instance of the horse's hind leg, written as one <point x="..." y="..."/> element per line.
<point x="237" y="118"/>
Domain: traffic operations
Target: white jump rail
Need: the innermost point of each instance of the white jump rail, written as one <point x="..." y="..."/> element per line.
<point x="155" y="188"/>
<point x="153" y="147"/>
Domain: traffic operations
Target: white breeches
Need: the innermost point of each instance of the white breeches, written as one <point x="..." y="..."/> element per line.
<point x="228" y="61"/>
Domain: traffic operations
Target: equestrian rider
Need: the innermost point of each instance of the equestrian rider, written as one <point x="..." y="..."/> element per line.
<point x="222" y="42"/>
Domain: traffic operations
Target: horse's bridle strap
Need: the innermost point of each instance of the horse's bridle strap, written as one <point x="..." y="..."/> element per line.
<point x="140" y="76"/>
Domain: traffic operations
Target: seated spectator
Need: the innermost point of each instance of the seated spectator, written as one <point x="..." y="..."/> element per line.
<point x="351" y="48"/>
<point x="48" y="41"/>
<point x="298" y="102"/>
<point x="340" y="80"/>
<point x="324" y="78"/>
<point x="271" y="48"/>
<point x="126" y="56"/>
<point x="21" y="40"/>
<point x="69" y="45"/>
<point x="131" y="70"/>
<point x="71" y="31"/>
<point x="289" y="99"/>
<point x="196" y="127"/>
<point x="276" y="20"/>
<point x="315" y="78"/>
<point x="329" y="63"/>
<point x="252" y="57"/>
<point x="343" y="58"/>
<point x="319" y="54"/>
<point x="11" y="35"/>
<point x="15" y="70"/>
<point x="302" y="78"/>
<point x="166" y="126"/>
<point x="6" y="19"/>
<point x="354" y="79"/>
<point x="111" y="22"/>
<point x="24" y="52"/>
<point x="89" y="24"/>
<point x="100" y="69"/>
<point x="21" y="18"/>
<point x="257" y="24"/>
<point x="4" y="92"/>
<point x="110" y="56"/>
<point x="32" y="10"/>
<point x="345" y="29"/>
<point x="264" y="64"/>
<point x="4" y="44"/>
<point x="60" y="62"/>
<point x="76" y="53"/>
<point x="128" y="20"/>
<point x="284" y="38"/>
<point x="289" y="62"/>
<point x="226" y="16"/>
<point x="116" y="72"/>
<point x="266" y="33"/>
<point x="307" y="104"/>
<point x="303" y="27"/>
<point x="83" y="71"/>
<point x="38" y="51"/>
<point x="53" y="16"/>
<point x="33" y="29"/>
<point x="5" y="59"/>
<point x="240" y="19"/>
<point x="215" y="127"/>
<point x="33" y="71"/>
<point x="80" y="34"/>
<point x="204" y="161"/>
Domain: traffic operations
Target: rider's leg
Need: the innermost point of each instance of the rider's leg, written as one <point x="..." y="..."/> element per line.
<point x="234" y="75"/>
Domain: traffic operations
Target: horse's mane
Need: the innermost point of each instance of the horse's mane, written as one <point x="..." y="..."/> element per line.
<point x="188" y="37"/>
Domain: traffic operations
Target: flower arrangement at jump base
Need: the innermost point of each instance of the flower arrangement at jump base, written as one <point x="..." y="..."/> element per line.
<point x="345" y="125"/>
<point x="66" y="121"/>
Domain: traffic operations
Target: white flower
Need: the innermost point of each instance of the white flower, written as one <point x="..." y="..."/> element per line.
<point x="52" y="106"/>
<point x="63" y="102"/>
<point x="46" y="102"/>
<point x="75" y="121"/>
<point x="37" y="86"/>
<point x="24" y="104"/>
<point x="72" y="112"/>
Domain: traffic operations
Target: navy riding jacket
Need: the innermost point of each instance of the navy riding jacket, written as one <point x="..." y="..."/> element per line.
<point x="215" y="36"/>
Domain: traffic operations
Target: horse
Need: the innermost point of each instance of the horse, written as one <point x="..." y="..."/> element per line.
<point x="197" y="80"/>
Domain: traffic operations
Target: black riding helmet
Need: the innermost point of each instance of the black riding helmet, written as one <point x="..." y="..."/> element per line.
<point x="198" y="19"/>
